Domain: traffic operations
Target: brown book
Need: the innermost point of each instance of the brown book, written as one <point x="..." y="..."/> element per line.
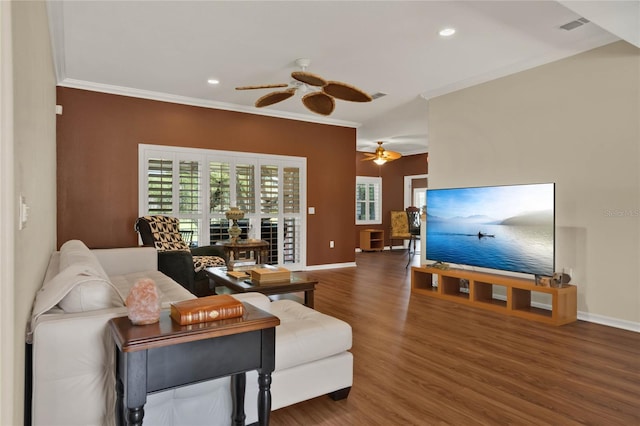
<point x="205" y="309"/>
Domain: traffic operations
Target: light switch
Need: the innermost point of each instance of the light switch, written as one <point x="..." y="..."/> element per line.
<point x="312" y="210"/>
<point x="24" y="213"/>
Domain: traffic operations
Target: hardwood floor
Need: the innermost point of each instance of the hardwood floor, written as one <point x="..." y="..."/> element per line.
<point x="423" y="361"/>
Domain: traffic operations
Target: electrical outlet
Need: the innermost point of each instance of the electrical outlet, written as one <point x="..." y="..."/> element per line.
<point x="331" y="244"/>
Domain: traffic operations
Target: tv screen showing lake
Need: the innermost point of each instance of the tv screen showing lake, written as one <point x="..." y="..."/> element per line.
<point x="508" y="228"/>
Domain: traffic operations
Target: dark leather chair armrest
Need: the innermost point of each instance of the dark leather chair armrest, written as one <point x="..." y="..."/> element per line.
<point x="210" y="251"/>
<point x="178" y="265"/>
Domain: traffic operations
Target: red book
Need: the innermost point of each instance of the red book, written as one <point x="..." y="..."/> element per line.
<point x="205" y="309"/>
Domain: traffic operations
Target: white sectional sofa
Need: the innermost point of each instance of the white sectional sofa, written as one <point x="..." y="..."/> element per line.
<point x="73" y="378"/>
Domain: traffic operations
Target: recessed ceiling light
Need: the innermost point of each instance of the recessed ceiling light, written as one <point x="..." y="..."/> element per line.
<point x="447" y="32"/>
<point x="213" y="81"/>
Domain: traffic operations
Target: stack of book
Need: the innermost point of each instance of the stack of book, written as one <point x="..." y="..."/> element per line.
<point x="241" y="265"/>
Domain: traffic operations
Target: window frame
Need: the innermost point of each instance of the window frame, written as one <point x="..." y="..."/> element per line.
<point x="204" y="158"/>
<point x="377" y="182"/>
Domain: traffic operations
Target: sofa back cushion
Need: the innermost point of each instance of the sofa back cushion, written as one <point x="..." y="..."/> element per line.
<point x="75" y="252"/>
<point x="81" y="284"/>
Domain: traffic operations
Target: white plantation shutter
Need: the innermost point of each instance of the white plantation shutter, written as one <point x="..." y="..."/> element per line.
<point x="291" y="244"/>
<point x="269" y="189"/>
<point x="198" y="186"/>
<point x="368" y="200"/>
<point x="189" y="190"/>
<point x="291" y="190"/>
<point x="245" y="188"/>
<point x="160" y="186"/>
<point x="219" y="187"/>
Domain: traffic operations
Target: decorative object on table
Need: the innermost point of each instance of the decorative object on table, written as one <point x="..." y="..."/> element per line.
<point x="234" y="214"/>
<point x="205" y="309"/>
<point x="560" y="279"/>
<point x="271" y="274"/>
<point x="143" y="302"/>
<point x="543" y="281"/>
<point x="239" y="274"/>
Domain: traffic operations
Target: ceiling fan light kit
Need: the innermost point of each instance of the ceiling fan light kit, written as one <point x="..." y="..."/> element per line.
<point x="381" y="156"/>
<point x="320" y="101"/>
<point x="379" y="161"/>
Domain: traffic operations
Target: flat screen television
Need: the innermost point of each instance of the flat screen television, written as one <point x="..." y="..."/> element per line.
<point x="507" y="228"/>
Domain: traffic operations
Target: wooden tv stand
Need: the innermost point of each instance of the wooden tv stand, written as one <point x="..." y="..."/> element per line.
<point x="564" y="308"/>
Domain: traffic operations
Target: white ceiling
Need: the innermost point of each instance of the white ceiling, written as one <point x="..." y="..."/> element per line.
<point x="167" y="50"/>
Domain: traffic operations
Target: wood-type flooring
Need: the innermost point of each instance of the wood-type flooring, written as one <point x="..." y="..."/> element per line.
<point x="424" y="361"/>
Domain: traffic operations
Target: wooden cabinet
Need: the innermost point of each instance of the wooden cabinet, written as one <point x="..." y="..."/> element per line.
<point x="372" y="240"/>
<point x="477" y="289"/>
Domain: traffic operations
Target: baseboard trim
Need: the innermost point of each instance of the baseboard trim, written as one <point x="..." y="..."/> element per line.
<point x="610" y="322"/>
<point x="330" y="266"/>
<point x="594" y="318"/>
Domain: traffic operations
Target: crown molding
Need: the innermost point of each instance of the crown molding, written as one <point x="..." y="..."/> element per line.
<point x="176" y="99"/>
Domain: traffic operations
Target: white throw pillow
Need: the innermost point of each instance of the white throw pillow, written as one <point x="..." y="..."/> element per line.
<point x="82" y="284"/>
<point x="75" y="252"/>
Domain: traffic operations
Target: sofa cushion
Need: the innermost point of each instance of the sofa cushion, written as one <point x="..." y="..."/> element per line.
<point x="88" y="287"/>
<point x="168" y="290"/>
<point x="79" y="285"/>
<point x="75" y="252"/>
<point x="305" y="335"/>
<point x="75" y="289"/>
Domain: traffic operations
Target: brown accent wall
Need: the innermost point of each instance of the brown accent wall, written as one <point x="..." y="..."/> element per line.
<point x="97" y="164"/>
<point x="392" y="174"/>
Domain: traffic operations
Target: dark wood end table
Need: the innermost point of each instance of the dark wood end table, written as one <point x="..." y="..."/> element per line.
<point x="299" y="282"/>
<point x="259" y="248"/>
<point x="165" y="355"/>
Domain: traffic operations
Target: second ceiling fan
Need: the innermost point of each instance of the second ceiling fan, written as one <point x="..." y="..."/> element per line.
<point x="320" y="94"/>
<point x="381" y="155"/>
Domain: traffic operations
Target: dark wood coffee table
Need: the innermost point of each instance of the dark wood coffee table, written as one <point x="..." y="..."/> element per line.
<point x="299" y="282"/>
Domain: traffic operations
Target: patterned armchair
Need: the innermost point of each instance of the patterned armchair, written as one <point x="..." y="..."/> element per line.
<point x="399" y="226"/>
<point x="175" y="258"/>
<point x="405" y="225"/>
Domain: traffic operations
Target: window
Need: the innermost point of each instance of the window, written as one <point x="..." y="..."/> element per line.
<point x="368" y="200"/>
<point x="198" y="186"/>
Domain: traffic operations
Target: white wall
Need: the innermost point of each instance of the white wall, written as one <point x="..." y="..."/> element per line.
<point x="34" y="173"/>
<point x="574" y="122"/>
<point x="6" y="217"/>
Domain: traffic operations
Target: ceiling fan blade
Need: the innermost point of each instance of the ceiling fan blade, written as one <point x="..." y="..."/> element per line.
<point x="309" y="78"/>
<point x="391" y="155"/>
<point x="382" y="154"/>
<point x="262" y="86"/>
<point x="274" y="97"/>
<point x="319" y="102"/>
<point x="346" y="92"/>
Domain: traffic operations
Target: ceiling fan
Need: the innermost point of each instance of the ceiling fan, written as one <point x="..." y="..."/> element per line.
<point x="319" y="94"/>
<point x="381" y="155"/>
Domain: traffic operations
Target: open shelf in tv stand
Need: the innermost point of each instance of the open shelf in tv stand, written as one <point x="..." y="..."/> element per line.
<point x="480" y="293"/>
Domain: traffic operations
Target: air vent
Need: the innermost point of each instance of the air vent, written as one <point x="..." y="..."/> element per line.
<point x="378" y="95"/>
<point x="574" y="24"/>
